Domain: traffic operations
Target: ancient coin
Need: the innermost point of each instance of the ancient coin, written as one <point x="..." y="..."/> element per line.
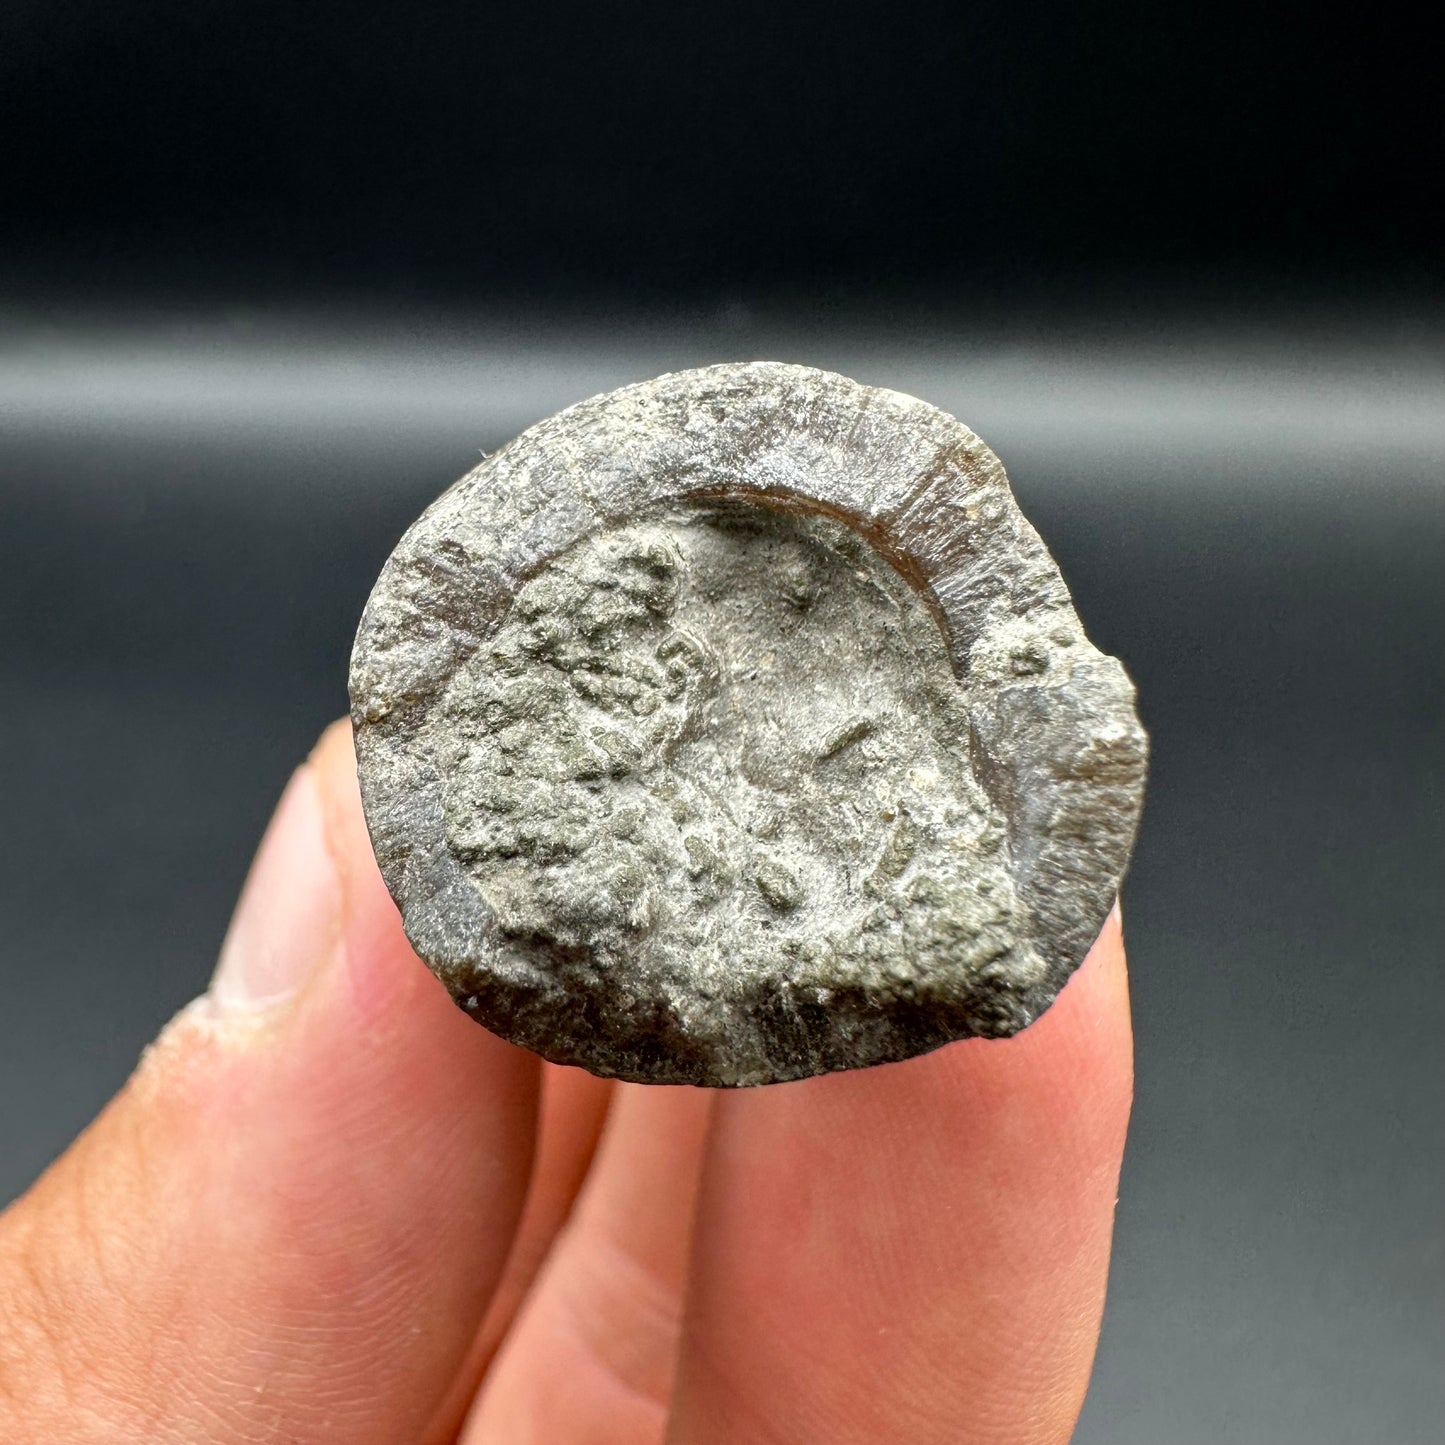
<point x="736" y="727"/>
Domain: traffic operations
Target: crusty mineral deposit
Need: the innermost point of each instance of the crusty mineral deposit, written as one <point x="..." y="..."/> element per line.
<point x="737" y="727"/>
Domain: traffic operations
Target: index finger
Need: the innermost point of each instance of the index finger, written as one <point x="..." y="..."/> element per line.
<point x="915" y="1252"/>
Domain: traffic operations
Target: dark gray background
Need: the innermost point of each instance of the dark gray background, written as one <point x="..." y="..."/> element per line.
<point x="193" y="515"/>
<point x="271" y="276"/>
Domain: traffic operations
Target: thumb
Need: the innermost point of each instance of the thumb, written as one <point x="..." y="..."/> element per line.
<point x="288" y="1223"/>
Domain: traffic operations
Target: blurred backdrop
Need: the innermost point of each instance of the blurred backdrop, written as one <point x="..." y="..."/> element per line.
<point x="271" y="276"/>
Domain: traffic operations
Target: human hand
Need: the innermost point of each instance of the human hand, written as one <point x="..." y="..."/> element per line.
<point x="308" y="1217"/>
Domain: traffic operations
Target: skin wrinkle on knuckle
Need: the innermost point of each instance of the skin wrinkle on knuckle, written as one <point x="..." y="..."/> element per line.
<point x="33" y="1337"/>
<point x="48" y="1382"/>
<point x="626" y="1318"/>
<point x="258" y="1379"/>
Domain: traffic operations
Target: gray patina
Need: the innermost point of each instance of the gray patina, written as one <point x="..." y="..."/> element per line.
<point x="737" y="727"/>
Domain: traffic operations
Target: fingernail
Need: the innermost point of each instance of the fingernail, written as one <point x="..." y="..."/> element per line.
<point x="285" y="924"/>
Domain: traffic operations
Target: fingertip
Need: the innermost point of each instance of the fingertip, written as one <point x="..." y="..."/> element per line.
<point x="334" y="758"/>
<point x="1090" y="1016"/>
<point x="1076" y="1063"/>
<point x="942" y="1225"/>
<point x="287" y="921"/>
<point x="308" y="1192"/>
<point x="385" y="977"/>
<point x="333" y="764"/>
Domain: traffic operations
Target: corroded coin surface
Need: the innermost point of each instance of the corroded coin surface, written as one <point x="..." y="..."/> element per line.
<point x="736" y="727"/>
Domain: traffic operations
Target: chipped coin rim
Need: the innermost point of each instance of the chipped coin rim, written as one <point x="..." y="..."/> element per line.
<point x="928" y="495"/>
